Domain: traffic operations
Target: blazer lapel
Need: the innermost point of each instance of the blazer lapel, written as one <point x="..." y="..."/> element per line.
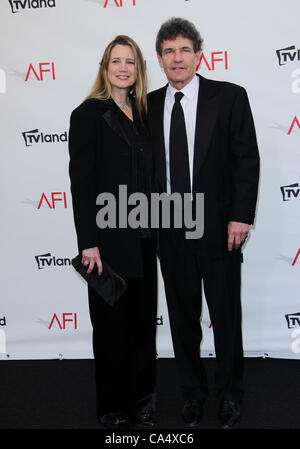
<point x="207" y="110"/>
<point x="113" y="122"/>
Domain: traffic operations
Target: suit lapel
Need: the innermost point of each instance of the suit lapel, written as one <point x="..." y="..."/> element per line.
<point x="207" y="110"/>
<point x="114" y="123"/>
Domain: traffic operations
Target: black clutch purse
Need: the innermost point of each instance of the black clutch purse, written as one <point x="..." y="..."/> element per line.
<point x="109" y="285"/>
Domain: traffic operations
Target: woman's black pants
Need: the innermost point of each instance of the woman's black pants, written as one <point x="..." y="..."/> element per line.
<point x="124" y="343"/>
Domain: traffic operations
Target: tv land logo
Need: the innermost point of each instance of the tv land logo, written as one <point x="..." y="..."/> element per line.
<point x="293" y="322"/>
<point x="19" y="5"/>
<point x="214" y="57"/>
<point x="287" y="55"/>
<point x="36" y="137"/>
<point x="2" y="336"/>
<point x="63" y="321"/>
<point x="37" y="72"/>
<point x="290" y="192"/>
<point x="51" y="200"/>
<point x="47" y="260"/>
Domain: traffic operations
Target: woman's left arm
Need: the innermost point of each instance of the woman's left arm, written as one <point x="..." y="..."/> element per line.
<point x="83" y="141"/>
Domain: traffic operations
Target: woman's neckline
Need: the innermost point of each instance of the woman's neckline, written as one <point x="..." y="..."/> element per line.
<point x="122" y="109"/>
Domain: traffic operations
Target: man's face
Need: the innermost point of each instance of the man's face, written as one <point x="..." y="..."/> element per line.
<point x="179" y="61"/>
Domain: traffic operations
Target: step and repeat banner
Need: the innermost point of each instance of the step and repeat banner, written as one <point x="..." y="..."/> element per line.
<point x="50" y="51"/>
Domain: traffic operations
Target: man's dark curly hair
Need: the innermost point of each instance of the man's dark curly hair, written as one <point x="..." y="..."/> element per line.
<point x="178" y="27"/>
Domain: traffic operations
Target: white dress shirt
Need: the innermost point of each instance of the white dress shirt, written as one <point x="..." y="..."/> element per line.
<point x="189" y="106"/>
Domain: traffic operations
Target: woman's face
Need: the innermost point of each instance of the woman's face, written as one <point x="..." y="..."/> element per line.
<point x="121" y="70"/>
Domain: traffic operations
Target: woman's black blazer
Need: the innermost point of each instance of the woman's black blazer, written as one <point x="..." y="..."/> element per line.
<point x="106" y="152"/>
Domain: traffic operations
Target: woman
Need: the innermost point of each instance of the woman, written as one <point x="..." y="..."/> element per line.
<point x="108" y="148"/>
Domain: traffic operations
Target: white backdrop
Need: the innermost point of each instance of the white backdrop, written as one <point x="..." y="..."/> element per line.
<point x="50" y="50"/>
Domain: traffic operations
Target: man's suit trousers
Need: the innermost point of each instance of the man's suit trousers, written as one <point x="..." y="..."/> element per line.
<point x="184" y="272"/>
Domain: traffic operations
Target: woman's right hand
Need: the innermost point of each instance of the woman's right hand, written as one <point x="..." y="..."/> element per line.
<point x="90" y="257"/>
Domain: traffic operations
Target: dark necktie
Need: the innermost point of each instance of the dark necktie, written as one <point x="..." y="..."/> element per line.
<point x="178" y="150"/>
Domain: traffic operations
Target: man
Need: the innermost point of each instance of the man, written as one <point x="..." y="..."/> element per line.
<point x="204" y="142"/>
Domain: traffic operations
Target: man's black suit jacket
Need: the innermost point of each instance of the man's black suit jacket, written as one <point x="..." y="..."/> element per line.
<point x="103" y="156"/>
<point x="226" y="158"/>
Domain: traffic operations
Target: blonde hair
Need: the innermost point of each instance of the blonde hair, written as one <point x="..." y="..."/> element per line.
<point x="102" y="87"/>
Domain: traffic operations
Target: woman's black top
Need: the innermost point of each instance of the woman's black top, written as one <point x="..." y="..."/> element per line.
<point x="107" y="150"/>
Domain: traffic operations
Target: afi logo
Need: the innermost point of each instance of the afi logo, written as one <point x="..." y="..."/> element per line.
<point x="289" y="192"/>
<point x="38" y="73"/>
<point x="294" y="122"/>
<point x="119" y="3"/>
<point x="288" y="54"/>
<point x="62" y="322"/>
<point x="215" y="56"/>
<point x="54" y="197"/>
<point x="296" y="257"/>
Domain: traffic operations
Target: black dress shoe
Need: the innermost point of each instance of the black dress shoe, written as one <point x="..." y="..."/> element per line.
<point x="192" y="412"/>
<point x="229" y="413"/>
<point x="146" y="419"/>
<point x="114" y="421"/>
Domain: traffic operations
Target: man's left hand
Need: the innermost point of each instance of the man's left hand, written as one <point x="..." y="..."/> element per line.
<point x="237" y="233"/>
